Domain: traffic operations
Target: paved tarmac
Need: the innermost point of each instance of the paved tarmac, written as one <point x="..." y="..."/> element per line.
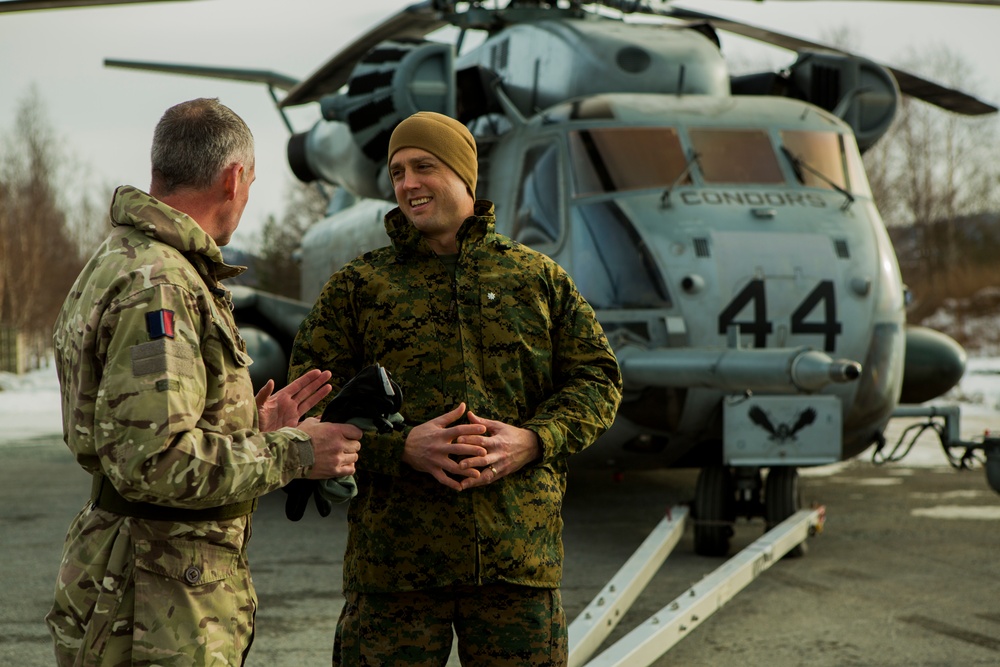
<point x="890" y="582"/>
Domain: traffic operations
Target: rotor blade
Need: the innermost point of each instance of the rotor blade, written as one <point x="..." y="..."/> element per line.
<point x="993" y="3"/>
<point x="31" y="5"/>
<point x="413" y="22"/>
<point x="253" y="75"/>
<point x="910" y="84"/>
<point x="940" y="96"/>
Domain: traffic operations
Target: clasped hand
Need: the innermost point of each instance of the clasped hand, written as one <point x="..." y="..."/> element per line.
<point x="464" y="456"/>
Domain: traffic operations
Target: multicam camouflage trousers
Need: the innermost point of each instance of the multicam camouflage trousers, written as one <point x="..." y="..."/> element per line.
<point x="497" y="625"/>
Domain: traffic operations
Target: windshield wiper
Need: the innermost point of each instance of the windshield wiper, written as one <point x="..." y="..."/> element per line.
<point x="798" y="164"/>
<point x="692" y="158"/>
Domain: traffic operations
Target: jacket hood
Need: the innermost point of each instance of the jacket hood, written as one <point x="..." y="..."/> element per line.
<point x="134" y="208"/>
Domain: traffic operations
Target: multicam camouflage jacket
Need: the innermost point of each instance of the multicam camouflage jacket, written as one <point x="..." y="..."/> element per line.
<point x="157" y="396"/>
<point x="512" y="338"/>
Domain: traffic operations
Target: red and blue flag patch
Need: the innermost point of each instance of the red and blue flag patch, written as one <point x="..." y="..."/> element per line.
<point x="160" y="323"/>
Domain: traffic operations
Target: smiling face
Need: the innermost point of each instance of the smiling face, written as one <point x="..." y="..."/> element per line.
<point x="431" y="196"/>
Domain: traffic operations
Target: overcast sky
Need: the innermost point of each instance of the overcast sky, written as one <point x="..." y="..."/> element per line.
<point x="104" y="117"/>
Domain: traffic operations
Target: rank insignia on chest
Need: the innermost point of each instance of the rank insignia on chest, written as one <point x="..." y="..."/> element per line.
<point x="160" y="323"/>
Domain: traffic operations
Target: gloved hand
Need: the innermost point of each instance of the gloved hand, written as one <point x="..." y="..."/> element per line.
<point x="371" y="401"/>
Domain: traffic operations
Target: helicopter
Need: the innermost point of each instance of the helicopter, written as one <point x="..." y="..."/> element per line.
<point x="721" y="226"/>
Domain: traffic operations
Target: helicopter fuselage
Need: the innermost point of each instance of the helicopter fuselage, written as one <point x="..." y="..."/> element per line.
<point x="687" y="219"/>
<point x="728" y="242"/>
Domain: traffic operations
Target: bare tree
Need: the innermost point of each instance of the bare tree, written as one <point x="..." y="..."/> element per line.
<point x="934" y="167"/>
<point x="936" y="172"/>
<point x="276" y="265"/>
<point x="38" y="257"/>
<point x="87" y="200"/>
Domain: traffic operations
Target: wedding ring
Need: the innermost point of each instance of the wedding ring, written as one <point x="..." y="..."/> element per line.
<point x="494" y="470"/>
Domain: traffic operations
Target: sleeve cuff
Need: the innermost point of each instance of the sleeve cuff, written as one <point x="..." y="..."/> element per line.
<point x="547" y="441"/>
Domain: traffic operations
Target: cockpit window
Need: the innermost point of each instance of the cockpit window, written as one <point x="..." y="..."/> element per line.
<point x="626" y="158"/>
<point x="819" y="156"/>
<point x="855" y="167"/>
<point x="735" y="156"/>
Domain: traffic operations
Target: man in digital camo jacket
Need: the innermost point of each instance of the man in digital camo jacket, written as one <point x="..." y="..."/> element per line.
<point x="159" y="407"/>
<point x="505" y="372"/>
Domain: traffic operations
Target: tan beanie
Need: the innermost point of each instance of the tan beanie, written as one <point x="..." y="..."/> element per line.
<point x="443" y="137"/>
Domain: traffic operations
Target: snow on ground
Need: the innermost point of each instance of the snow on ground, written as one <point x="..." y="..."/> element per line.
<point x="29" y="406"/>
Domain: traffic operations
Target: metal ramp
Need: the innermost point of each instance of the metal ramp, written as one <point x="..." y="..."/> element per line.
<point x="653" y="638"/>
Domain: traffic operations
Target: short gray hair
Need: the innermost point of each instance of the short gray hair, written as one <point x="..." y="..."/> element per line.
<point x="195" y="141"/>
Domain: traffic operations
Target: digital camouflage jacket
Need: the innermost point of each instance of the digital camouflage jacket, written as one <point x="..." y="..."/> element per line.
<point x="512" y="338"/>
<point x="157" y="396"/>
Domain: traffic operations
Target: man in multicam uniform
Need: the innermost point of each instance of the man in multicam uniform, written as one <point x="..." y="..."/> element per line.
<point x="505" y="372"/>
<point x="159" y="407"/>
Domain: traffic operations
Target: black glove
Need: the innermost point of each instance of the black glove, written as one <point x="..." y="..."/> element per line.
<point x="371" y="399"/>
<point x="370" y="395"/>
<point x="299" y="491"/>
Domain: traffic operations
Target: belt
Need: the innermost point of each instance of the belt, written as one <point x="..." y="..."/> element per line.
<point x="104" y="495"/>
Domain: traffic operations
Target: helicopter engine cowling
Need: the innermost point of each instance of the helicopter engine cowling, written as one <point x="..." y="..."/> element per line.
<point x="862" y="93"/>
<point x="327" y="152"/>
<point x="348" y="146"/>
<point x="619" y="58"/>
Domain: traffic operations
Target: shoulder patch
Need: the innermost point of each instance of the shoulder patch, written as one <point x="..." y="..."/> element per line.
<point x="160" y="323"/>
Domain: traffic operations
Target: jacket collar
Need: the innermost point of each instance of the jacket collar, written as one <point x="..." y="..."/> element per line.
<point x="134" y="208"/>
<point x="476" y="229"/>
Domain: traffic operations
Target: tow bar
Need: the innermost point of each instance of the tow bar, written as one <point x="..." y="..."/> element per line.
<point x="672" y="623"/>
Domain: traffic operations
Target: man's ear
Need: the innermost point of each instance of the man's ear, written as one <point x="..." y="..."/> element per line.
<point x="231" y="178"/>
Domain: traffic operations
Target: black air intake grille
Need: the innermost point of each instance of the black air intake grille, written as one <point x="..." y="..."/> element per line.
<point x="825" y="87"/>
<point x="701" y="248"/>
<point x="843" y="251"/>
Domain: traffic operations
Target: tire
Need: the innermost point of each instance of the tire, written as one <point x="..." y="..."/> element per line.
<point x="714" y="511"/>
<point x="782" y="499"/>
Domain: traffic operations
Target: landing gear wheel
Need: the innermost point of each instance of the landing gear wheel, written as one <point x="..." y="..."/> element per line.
<point x="714" y="511"/>
<point x="782" y="499"/>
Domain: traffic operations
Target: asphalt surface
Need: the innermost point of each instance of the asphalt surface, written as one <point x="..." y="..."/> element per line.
<point x="888" y="582"/>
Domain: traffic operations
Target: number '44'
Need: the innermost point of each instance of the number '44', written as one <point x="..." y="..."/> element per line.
<point x="753" y="295"/>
